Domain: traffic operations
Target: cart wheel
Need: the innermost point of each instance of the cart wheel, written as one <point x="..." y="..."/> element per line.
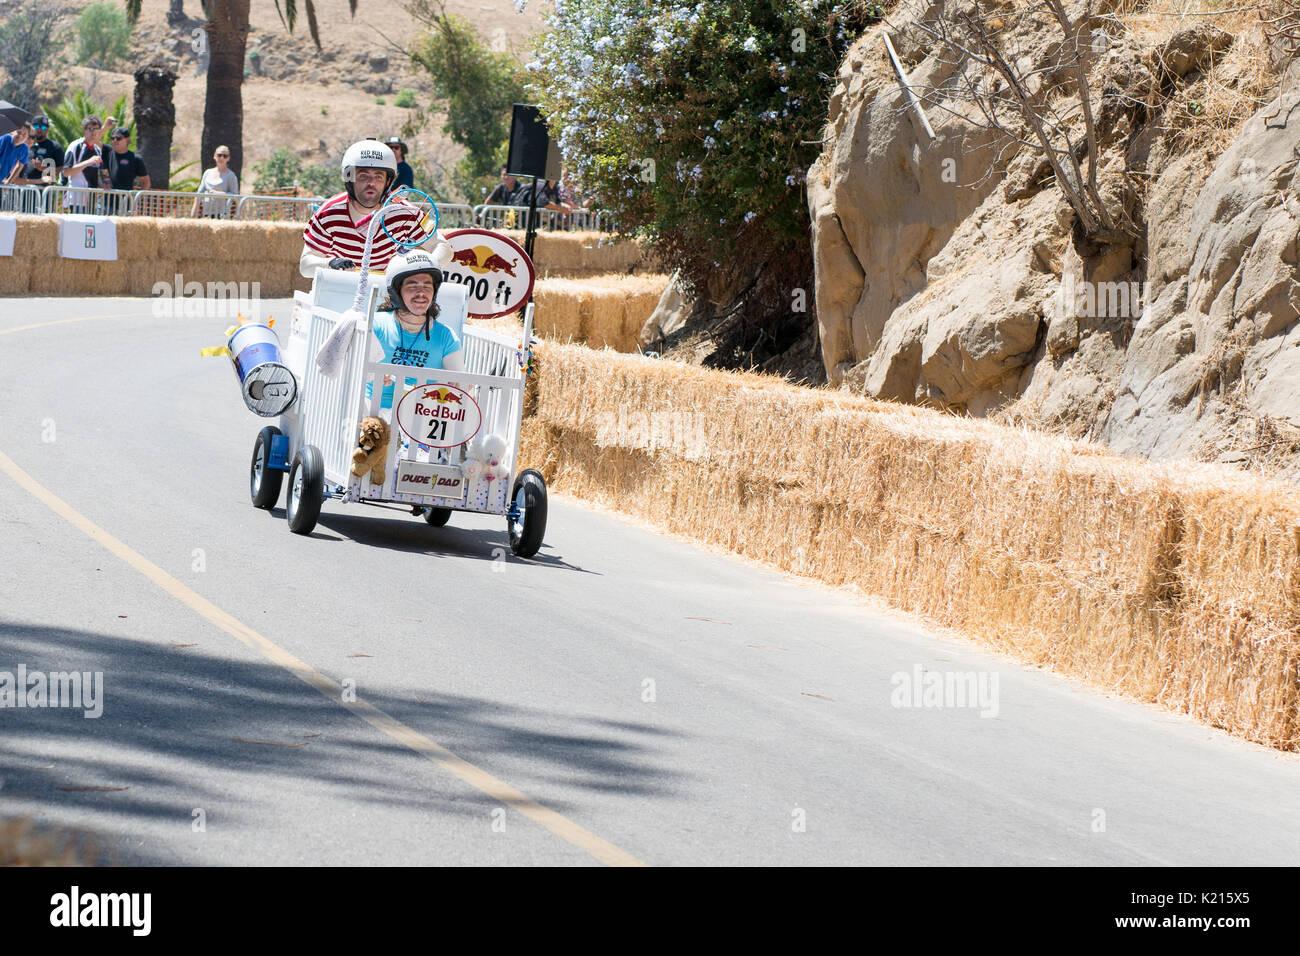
<point x="306" y="490"/>
<point x="264" y="482"/>
<point x="530" y="499"/>
<point x="437" y="517"/>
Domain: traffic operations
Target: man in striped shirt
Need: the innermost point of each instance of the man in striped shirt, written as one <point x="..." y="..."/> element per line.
<point x="335" y="237"/>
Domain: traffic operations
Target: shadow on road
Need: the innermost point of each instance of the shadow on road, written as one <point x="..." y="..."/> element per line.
<point x="182" y="729"/>
<point x="371" y="526"/>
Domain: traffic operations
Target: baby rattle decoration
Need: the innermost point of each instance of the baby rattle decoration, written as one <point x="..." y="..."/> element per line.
<point x="524" y="355"/>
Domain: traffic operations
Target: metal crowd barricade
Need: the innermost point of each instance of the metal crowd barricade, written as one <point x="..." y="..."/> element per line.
<point x="163" y="204"/>
<point x="501" y="217"/>
<point x="183" y="205"/>
<point x="85" y="201"/>
<point x="277" y="208"/>
<point x="455" y="216"/>
<point x="26" y="199"/>
<point x="516" y="217"/>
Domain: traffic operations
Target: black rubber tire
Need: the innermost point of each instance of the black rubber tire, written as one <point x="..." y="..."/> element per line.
<point x="307" y="478"/>
<point x="264" y="482"/>
<point x="526" y="536"/>
<point x="437" y="517"/>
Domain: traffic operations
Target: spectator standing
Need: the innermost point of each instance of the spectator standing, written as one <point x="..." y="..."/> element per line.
<point x="124" y="166"/>
<point x="13" y="153"/>
<point x="405" y="174"/>
<point x="504" y="190"/>
<point x="82" y="162"/>
<point x="45" y="155"/>
<point x="218" y="179"/>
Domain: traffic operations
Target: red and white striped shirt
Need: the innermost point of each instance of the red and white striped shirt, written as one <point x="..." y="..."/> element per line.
<point x="331" y="232"/>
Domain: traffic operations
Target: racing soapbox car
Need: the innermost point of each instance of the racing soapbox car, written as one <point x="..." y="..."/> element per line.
<point x="453" y="436"/>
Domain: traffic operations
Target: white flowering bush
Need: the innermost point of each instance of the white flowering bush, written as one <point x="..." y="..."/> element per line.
<point x="695" y="123"/>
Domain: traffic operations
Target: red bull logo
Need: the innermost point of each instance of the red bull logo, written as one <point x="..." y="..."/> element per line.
<point x="443" y="395"/>
<point x="482" y="260"/>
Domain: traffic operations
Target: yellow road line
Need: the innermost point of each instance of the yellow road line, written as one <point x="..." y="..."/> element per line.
<point x="83" y="318"/>
<point x="557" y="823"/>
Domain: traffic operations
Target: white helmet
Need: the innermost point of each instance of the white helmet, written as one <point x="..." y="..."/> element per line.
<point x="402" y="267"/>
<point x="368" y="154"/>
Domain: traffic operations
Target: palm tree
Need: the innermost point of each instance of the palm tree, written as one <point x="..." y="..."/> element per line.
<point x="65" y="117"/>
<point x="227" y="38"/>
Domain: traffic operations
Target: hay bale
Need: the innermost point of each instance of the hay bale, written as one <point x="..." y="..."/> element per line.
<point x="37" y="237"/>
<point x="598" y="311"/>
<point x="1172" y="585"/>
<point x="138" y="240"/>
<point x="15" y="275"/>
<point x="53" y="275"/>
<point x="113" y="278"/>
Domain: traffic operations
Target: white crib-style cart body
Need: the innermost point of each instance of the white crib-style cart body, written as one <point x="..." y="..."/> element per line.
<point x="318" y="434"/>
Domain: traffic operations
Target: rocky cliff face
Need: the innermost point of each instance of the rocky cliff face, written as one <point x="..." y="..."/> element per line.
<point x="952" y="271"/>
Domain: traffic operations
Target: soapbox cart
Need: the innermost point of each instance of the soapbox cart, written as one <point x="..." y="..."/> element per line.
<point x="453" y="436"/>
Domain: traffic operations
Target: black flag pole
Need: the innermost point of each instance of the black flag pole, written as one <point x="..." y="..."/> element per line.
<point x="532" y="220"/>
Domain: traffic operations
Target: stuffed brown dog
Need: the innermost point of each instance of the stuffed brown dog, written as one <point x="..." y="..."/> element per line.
<point x="372" y="449"/>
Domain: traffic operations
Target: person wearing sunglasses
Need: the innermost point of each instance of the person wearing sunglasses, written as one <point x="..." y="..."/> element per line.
<point x="217" y="179"/>
<point x="124" y="166"/>
<point x="84" y="158"/>
<point x="44" y="157"/>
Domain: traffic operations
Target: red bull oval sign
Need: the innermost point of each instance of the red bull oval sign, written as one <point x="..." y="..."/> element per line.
<point x="494" y="269"/>
<point x="440" y="416"/>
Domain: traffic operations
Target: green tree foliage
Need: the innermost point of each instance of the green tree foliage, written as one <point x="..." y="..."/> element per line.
<point x="696" y="122"/>
<point x="476" y="87"/>
<point x="103" y="35"/>
<point x="284" y="169"/>
<point x="66" y="117"/>
<point x="30" y="41"/>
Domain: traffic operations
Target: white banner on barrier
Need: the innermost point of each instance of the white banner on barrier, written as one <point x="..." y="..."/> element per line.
<point x="87" y="237"/>
<point x="8" y="230"/>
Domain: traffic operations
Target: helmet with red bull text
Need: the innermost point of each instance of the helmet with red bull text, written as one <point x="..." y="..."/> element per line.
<point x="368" y="154"/>
<point x="400" y="268"/>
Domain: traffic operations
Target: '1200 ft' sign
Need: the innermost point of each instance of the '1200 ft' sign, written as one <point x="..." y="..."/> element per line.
<point x="494" y="269"/>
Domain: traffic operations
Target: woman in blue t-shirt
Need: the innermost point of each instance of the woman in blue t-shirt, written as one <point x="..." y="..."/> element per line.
<point x="406" y="324"/>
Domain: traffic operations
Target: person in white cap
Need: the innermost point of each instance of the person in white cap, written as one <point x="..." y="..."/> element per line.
<point x="335" y="237"/>
<point x="407" y="325"/>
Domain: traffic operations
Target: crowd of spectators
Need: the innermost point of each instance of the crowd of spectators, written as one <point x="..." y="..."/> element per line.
<point x="555" y="195"/>
<point x="28" y="156"/>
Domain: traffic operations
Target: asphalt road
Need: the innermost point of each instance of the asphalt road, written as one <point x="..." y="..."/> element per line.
<point x="623" y="698"/>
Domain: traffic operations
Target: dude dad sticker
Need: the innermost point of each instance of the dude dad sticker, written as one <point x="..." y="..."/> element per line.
<point x="440" y="416"/>
<point x="494" y="269"/>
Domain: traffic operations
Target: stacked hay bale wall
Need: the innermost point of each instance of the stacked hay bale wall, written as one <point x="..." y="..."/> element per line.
<point x="1176" y="585"/>
<point x="205" y="250"/>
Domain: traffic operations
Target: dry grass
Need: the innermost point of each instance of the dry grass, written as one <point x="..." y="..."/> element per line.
<point x="1172" y="585"/>
<point x="24" y="843"/>
<point x="1205" y="110"/>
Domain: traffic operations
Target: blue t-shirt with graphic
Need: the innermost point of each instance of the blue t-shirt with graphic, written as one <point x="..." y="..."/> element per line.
<point x="11" y="153"/>
<point x="411" y="348"/>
